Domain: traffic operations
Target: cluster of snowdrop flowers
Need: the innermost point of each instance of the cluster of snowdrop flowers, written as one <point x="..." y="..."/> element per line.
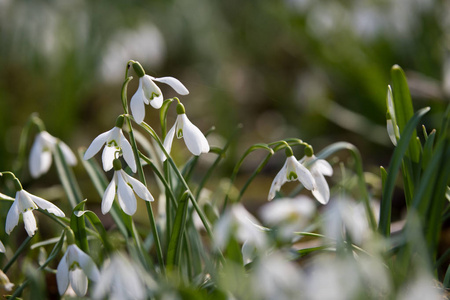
<point x="312" y="179"/>
<point x="42" y="150"/>
<point x="24" y="203"/>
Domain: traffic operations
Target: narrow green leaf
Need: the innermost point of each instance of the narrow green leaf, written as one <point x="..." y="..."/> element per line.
<point x="163" y="116"/>
<point x="404" y="108"/>
<point x="95" y="221"/>
<point x="396" y="161"/>
<point x="67" y="178"/>
<point x="428" y="149"/>
<point x="78" y="226"/>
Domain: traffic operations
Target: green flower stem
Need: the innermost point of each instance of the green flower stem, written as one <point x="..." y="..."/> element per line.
<point x="55" y="218"/>
<point x="331" y="149"/>
<point x="202" y="216"/>
<point x="148" y="205"/>
<point x="239" y="164"/>
<point x="175" y="243"/>
<point x="19" y="251"/>
<point x="53" y="254"/>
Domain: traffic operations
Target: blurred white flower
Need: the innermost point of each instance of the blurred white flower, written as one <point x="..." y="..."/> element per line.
<point x="120" y="279"/>
<point x="115" y="142"/>
<point x="5" y="283"/>
<point x="288" y="215"/>
<point x="277" y="278"/>
<point x="75" y="267"/>
<point x="125" y="186"/>
<point x="237" y="222"/>
<point x="195" y="140"/>
<point x="319" y="169"/>
<point x="2" y="247"/>
<point x="421" y="288"/>
<point x="291" y="170"/>
<point x="41" y="153"/>
<point x="24" y="204"/>
<point x="149" y="92"/>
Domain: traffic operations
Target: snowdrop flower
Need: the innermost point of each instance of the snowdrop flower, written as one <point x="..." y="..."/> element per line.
<point x="125" y="187"/>
<point x="120" y="279"/>
<point x="75" y="267"/>
<point x="391" y="120"/>
<point x="41" y="153"/>
<point x="318" y="168"/>
<point x="149" y="92"/>
<point x="240" y="224"/>
<point x="114" y="141"/>
<point x="195" y="140"/>
<point x="292" y="170"/>
<point x="24" y="204"/>
<point x="5" y="283"/>
<point x="288" y="215"/>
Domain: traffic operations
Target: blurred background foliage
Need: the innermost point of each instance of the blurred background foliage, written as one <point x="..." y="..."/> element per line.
<point x="315" y="70"/>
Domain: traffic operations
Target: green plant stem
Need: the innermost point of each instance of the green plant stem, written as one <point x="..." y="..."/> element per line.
<point x="17" y="254"/>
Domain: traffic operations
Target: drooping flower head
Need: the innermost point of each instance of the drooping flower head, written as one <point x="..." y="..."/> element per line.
<point x="195" y="140"/>
<point x="292" y="170"/>
<point x="24" y="204"/>
<point x="125" y="187"/>
<point x="120" y="279"/>
<point x="319" y="168"/>
<point x="115" y="142"/>
<point x="75" y="268"/>
<point x="149" y="92"/>
<point x="41" y="153"/>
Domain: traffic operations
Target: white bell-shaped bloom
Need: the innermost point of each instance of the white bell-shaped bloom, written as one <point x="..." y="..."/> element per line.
<point x="120" y="279"/>
<point x="291" y="170"/>
<point x="149" y="92"/>
<point x="24" y="204"/>
<point x="194" y="139"/>
<point x="75" y="268"/>
<point x="125" y="187"/>
<point x="114" y="141"/>
<point x="319" y="168"/>
<point x="288" y="215"/>
<point x="41" y="153"/>
<point x="237" y="222"/>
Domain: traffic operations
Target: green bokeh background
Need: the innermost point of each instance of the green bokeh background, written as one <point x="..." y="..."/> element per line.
<point x="315" y="70"/>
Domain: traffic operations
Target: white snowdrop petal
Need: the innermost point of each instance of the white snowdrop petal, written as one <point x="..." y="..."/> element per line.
<point x="391" y="132"/>
<point x="139" y="188"/>
<point x="126" y="197"/>
<point x="321" y="191"/>
<point x="2" y="247"/>
<point x="12" y="219"/>
<point x="157" y="101"/>
<point x="35" y="157"/>
<point x="78" y="281"/>
<point x="149" y="88"/>
<point x="62" y="275"/>
<point x="69" y="156"/>
<point x="168" y="141"/>
<point x="108" y="196"/>
<point x="173" y="83"/>
<point x="323" y="167"/>
<point x="195" y="140"/>
<point x="108" y="156"/>
<point x="277" y="182"/>
<point x="87" y="264"/>
<point x="128" y="153"/>
<point x="137" y="106"/>
<point x="304" y="176"/>
<point x="44" y="204"/>
<point x="30" y="222"/>
<point x="97" y="144"/>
